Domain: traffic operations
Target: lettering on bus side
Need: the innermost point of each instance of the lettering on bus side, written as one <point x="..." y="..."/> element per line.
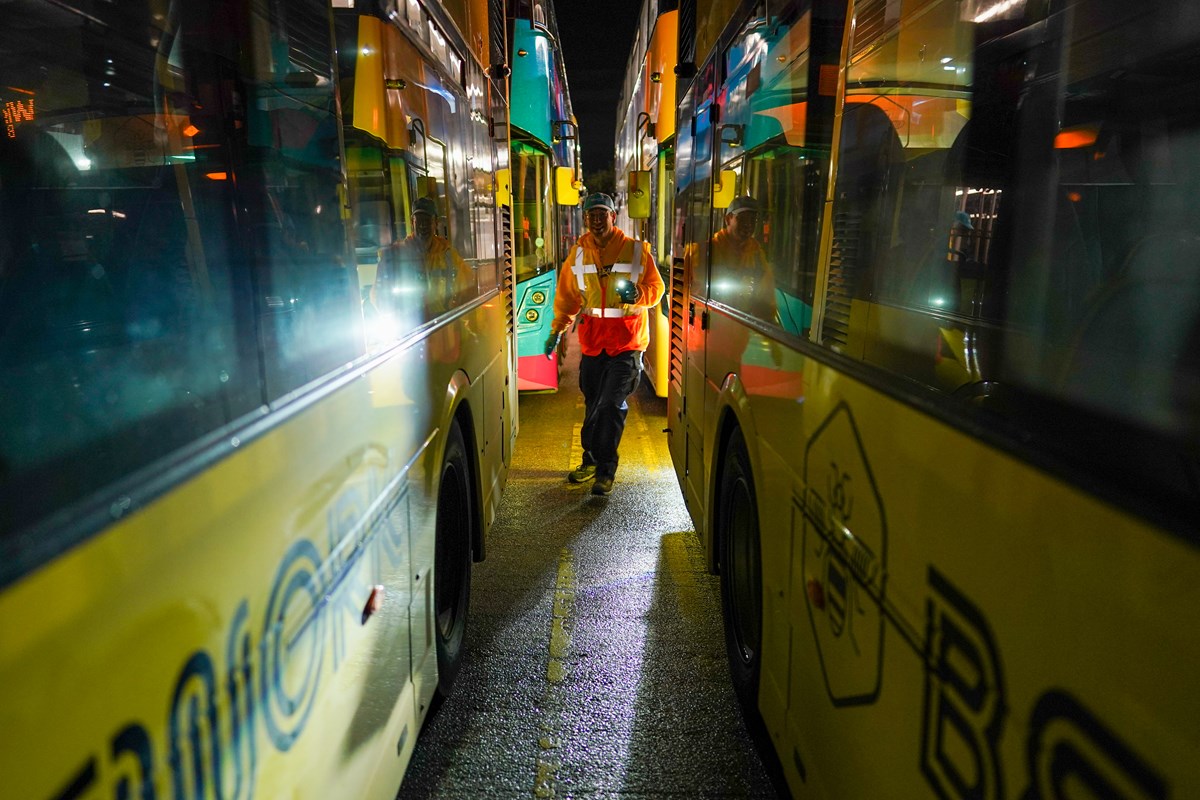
<point x="211" y="749"/>
<point x="964" y="698"/>
<point x="1068" y="747"/>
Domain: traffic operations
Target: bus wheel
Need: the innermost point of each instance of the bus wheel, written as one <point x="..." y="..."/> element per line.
<point x="452" y="559"/>
<point x="741" y="575"/>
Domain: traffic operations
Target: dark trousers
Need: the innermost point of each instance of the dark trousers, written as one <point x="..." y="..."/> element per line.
<point x="606" y="382"/>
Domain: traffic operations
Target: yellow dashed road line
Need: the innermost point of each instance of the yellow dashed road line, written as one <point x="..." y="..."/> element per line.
<point x="551" y="740"/>
<point x="564" y="606"/>
<point x="681" y="573"/>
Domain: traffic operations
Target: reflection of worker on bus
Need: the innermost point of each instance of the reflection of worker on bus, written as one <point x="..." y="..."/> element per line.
<point x="423" y="271"/>
<point x="742" y="277"/>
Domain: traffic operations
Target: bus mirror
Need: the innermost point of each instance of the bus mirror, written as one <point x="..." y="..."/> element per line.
<point x="724" y="189"/>
<point x="565" y="188"/>
<point x="639" y="194"/>
<point x="503" y="188"/>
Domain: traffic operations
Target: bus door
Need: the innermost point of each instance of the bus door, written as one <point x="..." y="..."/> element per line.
<point x="694" y="232"/>
<point x="536" y="263"/>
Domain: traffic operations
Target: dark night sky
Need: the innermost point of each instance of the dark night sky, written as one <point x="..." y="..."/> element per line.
<point x="596" y="37"/>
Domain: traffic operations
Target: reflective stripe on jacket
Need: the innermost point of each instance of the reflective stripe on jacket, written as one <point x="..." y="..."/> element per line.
<point x="587" y="286"/>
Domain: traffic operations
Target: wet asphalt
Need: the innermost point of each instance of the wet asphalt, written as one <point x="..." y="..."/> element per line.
<point x="596" y="661"/>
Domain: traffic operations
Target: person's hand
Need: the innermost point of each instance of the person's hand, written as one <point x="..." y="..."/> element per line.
<point x="627" y="291"/>
<point x="552" y="343"/>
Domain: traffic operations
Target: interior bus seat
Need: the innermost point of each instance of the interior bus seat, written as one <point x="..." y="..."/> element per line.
<point x="935" y="268"/>
<point x="1138" y="330"/>
<point x="918" y="260"/>
<point x="870" y="174"/>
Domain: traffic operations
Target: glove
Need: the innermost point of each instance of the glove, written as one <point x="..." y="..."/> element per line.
<point x="627" y="291"/>
<point x="552" y="344"/>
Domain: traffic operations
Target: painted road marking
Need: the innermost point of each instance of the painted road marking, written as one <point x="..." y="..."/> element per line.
<point x="564" y="607"/>
<point x="681" y="571"/>
<point x="561" y="621"/>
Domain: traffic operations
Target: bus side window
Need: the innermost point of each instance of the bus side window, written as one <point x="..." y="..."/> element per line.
<point x="1126" y="312"/>
<point x="310" y="308"/>
<point x="481" y="195"/>
<point x="786" y="232"/>
<point x="122" y="322"/>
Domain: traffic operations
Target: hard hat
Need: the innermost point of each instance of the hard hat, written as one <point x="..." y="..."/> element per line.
<point x="964" y="219"/>
<point x="599" y="200"/>
<point x="425" y="205"/>
<point x="743" y="203"/>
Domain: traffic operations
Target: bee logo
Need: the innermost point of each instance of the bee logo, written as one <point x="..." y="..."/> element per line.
<point x="845" y="555"/>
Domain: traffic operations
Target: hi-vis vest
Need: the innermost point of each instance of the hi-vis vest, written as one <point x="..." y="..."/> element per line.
<point x="586" y="289"/>
<point x="630" y="270"/>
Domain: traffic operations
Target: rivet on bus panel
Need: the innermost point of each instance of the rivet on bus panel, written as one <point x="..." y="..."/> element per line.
<point x="816" y="594"/>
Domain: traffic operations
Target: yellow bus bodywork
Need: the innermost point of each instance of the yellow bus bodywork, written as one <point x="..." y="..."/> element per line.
<point x="218" y="636"/>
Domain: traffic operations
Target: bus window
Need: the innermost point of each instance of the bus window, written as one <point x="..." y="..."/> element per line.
<point x="777" y="180"/>
<point x="482" y="191"/>
<point x="1075" y="289"/>
<point x="1111" y="314"/>
<point x="309" y="300"/>
<point x="913" y="273"/>
<point x="767" y="116"/>
<point x="119" y="303"/>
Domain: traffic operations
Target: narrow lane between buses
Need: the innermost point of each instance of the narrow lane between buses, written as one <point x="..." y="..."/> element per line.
<point x="596" y="663"/>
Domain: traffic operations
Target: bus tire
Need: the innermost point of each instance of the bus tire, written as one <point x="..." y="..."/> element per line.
<point x="741" y="576"/>
<point x="452" y="559"/>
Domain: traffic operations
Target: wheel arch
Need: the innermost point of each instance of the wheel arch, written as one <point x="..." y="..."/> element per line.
<point x="460" y="411"/>
<point x="733" y="413"/>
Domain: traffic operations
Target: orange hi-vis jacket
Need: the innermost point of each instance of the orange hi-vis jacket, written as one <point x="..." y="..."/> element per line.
<point x="433" y="270"/>
<point x="742" y="276"/>
<point x="587" y="286"/>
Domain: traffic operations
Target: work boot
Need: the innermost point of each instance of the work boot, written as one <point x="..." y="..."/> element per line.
<point x="603" y="485"/>
<point x="584" y="472"/>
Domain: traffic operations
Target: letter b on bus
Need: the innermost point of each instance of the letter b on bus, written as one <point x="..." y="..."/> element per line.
<point x="964" y="698"/>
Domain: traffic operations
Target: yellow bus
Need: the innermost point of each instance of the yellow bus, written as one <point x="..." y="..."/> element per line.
<point x="949" y="476"/>
<point x="645" y="159"/>
<point x="240" y="499"/>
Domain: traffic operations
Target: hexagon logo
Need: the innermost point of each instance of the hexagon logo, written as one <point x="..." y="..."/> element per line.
<point x="844" y="560"/>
